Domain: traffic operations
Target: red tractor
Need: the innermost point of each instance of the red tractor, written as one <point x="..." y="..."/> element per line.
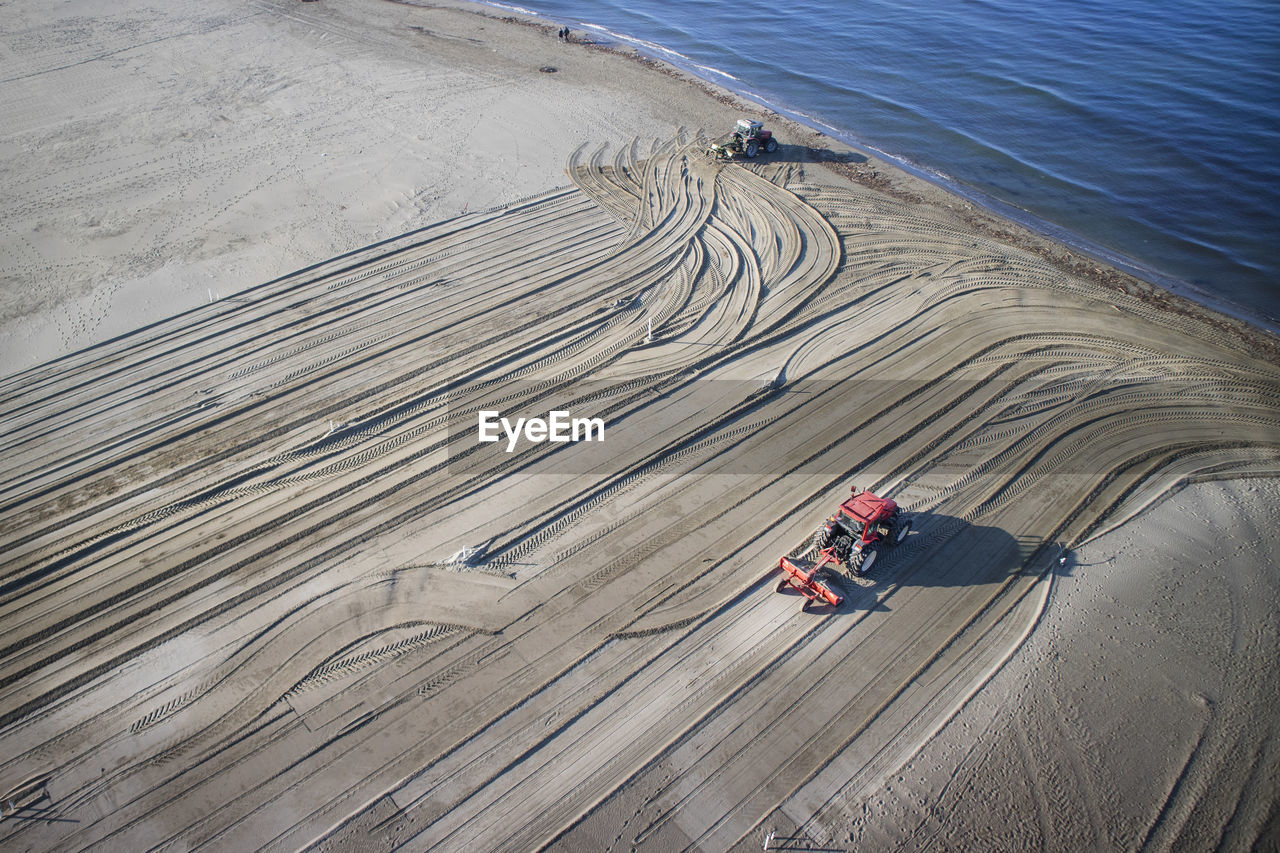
<point x="863" y="525"/>
<point x="854" y="536"/>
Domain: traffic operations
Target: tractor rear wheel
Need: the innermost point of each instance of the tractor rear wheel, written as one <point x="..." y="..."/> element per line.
<point x="753" y="148"/>
<point x="861" y="562"/>
<point x="771" y="146"/>
<point x="821" y="539"/>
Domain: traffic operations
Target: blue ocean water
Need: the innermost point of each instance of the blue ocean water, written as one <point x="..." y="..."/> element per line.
<point x="1146" y="130"/>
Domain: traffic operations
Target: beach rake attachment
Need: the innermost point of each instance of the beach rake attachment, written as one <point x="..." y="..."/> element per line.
<point x="802" y="575"/>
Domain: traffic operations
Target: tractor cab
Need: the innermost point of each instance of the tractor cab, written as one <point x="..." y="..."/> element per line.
<point x="748" y="129"/>
<point x="856" y="526"/>
<point x="864" y="508"/>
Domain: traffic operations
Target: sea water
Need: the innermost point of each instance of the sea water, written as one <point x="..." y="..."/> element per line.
<point x="1145" y="131"/>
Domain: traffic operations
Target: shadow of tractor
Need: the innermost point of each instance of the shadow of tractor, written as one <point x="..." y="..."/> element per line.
<point x="939" y="550"/>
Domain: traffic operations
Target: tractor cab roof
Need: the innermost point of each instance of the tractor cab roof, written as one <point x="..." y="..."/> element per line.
<point x="866" y="507"/>
<point x="747" y="127"/>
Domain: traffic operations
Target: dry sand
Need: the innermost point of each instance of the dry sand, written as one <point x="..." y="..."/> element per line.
<point x="161" y="150"/>
<point x="1135" y="716"/>
<point x="230" y="614"/>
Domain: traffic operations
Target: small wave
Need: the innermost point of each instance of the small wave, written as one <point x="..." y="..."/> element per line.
<point x="811" y="120"/>
<point x="647" y="45"/>
<point x="654" y="47"/>
<point x="712" y="70"/>
<point x="512" y="8"/>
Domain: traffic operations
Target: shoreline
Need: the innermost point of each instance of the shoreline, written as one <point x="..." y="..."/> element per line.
<point x="635" y="49"/>
<point x="831" y="151"/>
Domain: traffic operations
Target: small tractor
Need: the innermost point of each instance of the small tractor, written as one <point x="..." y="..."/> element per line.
<point x="859" y="529"/>
<point x="746" y="140"/>
<point x="853" y="536"/>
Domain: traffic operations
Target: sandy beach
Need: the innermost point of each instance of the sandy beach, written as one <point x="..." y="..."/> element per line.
<point x="265" y="267"/>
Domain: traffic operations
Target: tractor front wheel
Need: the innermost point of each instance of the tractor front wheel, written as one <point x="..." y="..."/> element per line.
<point x="771" y="146"/>
<point x="900" y="530"/>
